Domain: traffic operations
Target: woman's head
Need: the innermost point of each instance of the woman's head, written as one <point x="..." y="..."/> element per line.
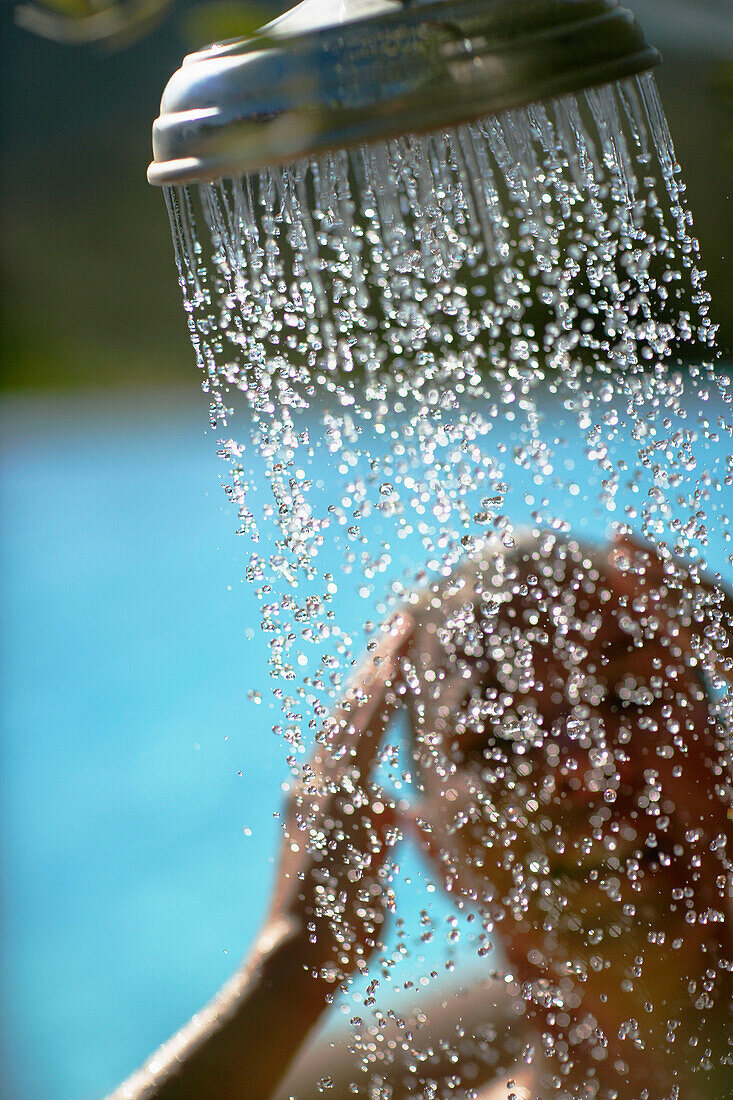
<point x="572" y="765"/>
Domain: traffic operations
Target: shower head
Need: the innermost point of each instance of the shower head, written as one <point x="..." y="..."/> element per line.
<point x="330" y="74"/>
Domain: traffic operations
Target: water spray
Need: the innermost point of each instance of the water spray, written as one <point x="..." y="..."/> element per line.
<point x="442" y="287"/>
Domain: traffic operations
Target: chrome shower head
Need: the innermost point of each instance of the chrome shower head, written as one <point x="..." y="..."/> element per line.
<point x="332" y="74"/>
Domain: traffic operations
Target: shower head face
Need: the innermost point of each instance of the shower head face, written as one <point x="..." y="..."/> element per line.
<point x="302" y="87"/>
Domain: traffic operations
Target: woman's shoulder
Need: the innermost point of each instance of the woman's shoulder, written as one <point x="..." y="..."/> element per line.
<point x="471" y="1032"/>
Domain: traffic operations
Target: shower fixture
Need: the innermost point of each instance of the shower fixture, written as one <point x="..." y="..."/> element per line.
<point x="334" y="74"/>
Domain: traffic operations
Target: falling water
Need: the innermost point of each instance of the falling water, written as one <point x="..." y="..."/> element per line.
<point x="495" y="340"/>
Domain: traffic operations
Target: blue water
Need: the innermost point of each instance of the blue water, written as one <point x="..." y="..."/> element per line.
<point x="129" y="646"/>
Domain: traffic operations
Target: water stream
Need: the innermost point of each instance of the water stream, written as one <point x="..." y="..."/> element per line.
<point x="426" y="323"/>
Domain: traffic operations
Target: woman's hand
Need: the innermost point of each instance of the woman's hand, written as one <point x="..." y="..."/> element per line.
<point x="339" y="826"/>
<point x="450" y="817"/>
<point x="325" y="918"/>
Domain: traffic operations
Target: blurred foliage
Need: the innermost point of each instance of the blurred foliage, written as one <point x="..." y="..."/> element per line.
<point x="721" y="83"/>
<point x="222" y="19"/>
<point x="117" y="23"/>
<point x="110" y="22"/>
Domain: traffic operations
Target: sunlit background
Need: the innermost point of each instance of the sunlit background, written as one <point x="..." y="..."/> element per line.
<point x="139" y="779"/>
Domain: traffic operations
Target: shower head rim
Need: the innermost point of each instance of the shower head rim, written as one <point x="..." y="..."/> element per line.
<point x="313" y="109"/>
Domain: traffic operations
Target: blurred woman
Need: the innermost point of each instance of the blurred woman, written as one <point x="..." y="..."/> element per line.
<point x="575" y="787"/>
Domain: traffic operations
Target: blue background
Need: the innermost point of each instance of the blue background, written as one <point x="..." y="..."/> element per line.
<point x="129" y="647"/>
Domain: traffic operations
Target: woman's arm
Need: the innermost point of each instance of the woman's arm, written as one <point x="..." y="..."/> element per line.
<point x="474" y="1022"/>
<point x="324" y="921"/>
<point x="240" y="1044"/>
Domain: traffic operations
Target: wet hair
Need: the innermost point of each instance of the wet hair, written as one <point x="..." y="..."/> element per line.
<point x="544" y="591"/>
<point x="558" y="593"/>
<point x="549" y="573"/>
